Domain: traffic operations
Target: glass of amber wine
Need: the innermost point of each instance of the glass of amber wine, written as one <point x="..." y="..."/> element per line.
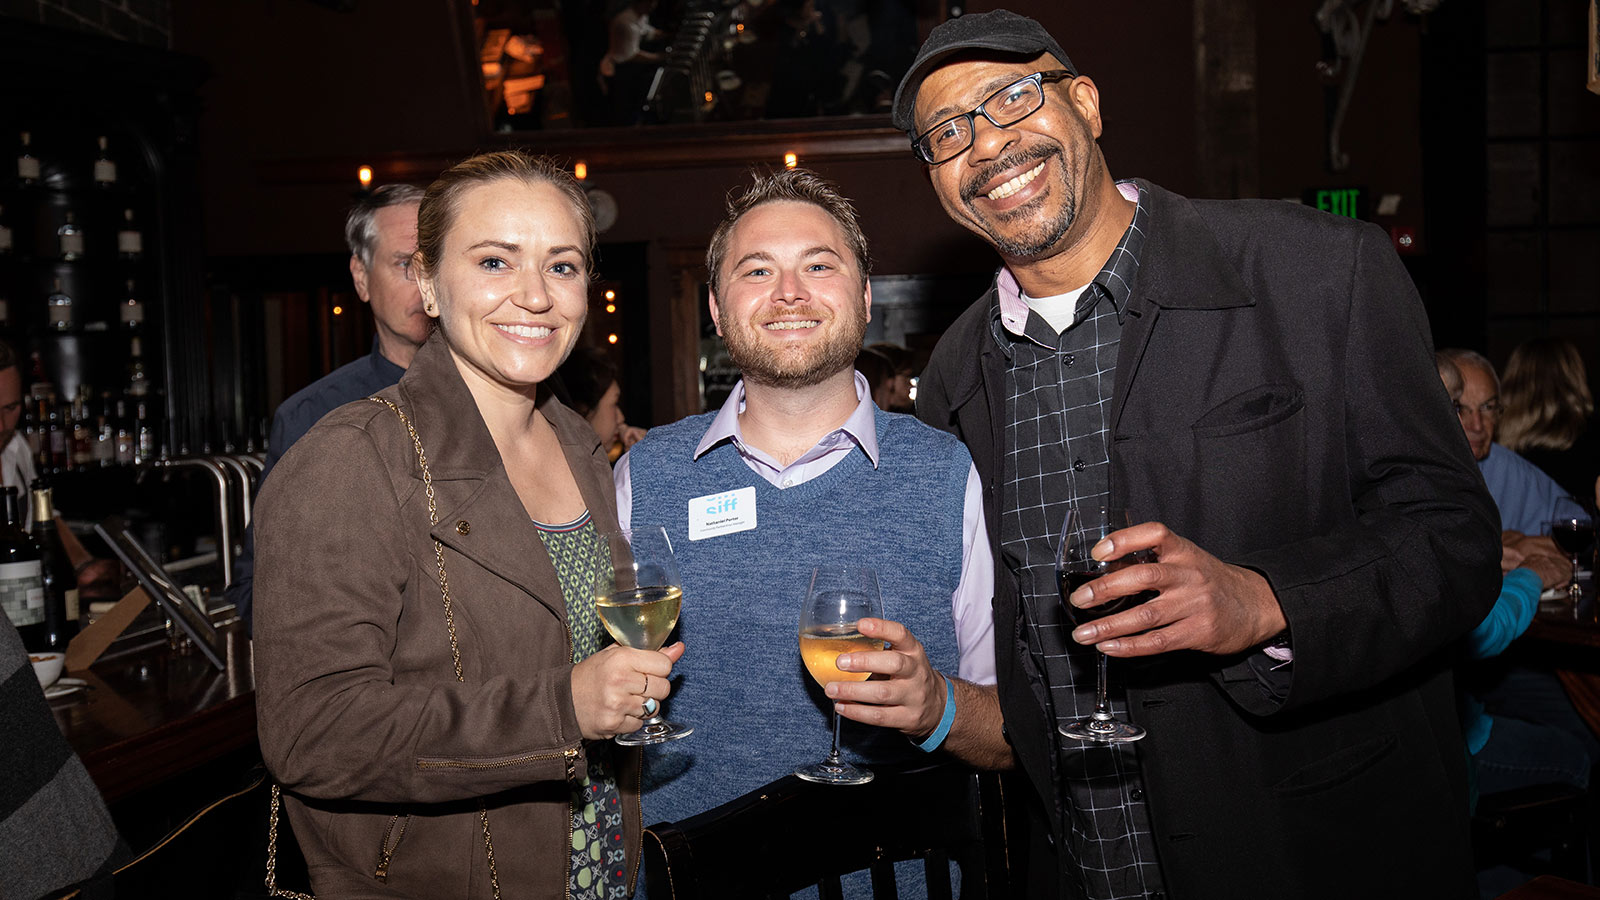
<point x="838" y="598"/>
<point x="637" y="596"/>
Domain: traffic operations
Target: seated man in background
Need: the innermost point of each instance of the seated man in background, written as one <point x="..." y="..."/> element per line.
<point x="381" y="230"/>
<point x="1525" y="495"/>
<point x="818" y="475"/>
<point x="1508" y="750"/>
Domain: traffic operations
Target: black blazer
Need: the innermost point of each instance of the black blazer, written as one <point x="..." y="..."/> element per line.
<point x="1276" y="403"/>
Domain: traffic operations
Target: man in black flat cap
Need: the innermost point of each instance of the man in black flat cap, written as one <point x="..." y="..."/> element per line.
<point x="1254" y="381"/>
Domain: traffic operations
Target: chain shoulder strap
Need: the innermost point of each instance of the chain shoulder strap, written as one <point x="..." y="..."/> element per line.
<point x="433" y="519"/>
<point x="455" y="658"/>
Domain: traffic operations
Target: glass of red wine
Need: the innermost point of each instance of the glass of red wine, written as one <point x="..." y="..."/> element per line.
<point x="1083" y="529"/>
<point x="1572" y="528"/>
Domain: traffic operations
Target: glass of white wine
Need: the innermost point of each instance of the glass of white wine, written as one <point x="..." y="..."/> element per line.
<point x="637" y="596"/>
<point x="838" y="598"/>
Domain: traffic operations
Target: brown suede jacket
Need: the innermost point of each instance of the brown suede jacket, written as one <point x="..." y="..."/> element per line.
<point x="383" y="754"/>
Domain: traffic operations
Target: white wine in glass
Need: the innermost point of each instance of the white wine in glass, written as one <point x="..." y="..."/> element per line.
<point x="838" y="598"/>
<point x="637" y="596"/>
<point x="640" y="617"/>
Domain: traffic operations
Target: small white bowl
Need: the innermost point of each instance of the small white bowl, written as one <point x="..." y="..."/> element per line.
<point x="47" y="667"/>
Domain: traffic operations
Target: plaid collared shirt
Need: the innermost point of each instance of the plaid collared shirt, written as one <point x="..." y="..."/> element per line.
<point x="1056" y="454"/>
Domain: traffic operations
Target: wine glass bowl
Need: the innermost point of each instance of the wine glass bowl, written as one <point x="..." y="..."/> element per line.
<point x="637" y="597"/>
<point x="1081" y="530"/>
<point x="836" y="600"/>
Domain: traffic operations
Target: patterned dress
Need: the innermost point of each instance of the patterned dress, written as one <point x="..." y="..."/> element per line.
<point x="599" y="869"/>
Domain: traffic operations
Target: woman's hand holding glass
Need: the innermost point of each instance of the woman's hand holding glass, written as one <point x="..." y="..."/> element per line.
<point x="610" y="688"/>
<point x="637" y="596"/>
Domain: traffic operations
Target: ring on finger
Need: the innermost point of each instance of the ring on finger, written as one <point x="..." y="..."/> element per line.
<point x="650" y="706"/>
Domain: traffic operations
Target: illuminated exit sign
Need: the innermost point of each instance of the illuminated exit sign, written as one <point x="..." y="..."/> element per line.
<point x="1350" y="202"/>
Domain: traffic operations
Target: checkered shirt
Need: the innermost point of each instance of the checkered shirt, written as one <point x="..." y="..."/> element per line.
<point x="1057" y="409"/>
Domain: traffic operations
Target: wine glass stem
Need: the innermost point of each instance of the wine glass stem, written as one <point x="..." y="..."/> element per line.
<point x="1575" y="591"/>
<point x="1102" y="705"/>
<point x="833" y="755"/>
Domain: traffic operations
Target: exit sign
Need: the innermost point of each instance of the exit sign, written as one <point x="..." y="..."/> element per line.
<point x="1350" y="202"/>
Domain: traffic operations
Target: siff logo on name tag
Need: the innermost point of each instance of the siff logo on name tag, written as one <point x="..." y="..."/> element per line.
<point x="729" y="512"/>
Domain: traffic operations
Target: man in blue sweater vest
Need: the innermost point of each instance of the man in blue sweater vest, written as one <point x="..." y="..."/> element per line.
<point x="804" y="470"/>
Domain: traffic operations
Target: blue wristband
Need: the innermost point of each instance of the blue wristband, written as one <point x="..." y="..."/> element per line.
<point x="943" y="731"/>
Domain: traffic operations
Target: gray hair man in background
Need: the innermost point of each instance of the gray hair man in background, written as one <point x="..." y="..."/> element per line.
<point x="381" y="230"/>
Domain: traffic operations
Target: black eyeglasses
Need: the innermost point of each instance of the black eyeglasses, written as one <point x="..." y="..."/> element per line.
<point x="1015" y="102"/>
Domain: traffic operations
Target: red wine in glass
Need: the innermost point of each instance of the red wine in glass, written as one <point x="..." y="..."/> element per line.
<point x="1083" y="529"/>
<point x="1068" y="582"/>
<point x="1572" y="529"/>
<point x="1573" y="536"/>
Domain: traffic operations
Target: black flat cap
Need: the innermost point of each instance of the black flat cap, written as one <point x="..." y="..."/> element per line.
<point x="1000" y="30"/>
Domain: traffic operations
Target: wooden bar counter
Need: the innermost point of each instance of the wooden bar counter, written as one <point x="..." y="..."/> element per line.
<point x="150" y="714"/>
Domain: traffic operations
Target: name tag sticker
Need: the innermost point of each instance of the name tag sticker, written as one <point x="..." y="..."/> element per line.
<point x="729" y="512"/>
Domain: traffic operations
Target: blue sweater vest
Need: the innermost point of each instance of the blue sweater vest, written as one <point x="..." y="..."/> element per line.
<point x="757" y="714"/>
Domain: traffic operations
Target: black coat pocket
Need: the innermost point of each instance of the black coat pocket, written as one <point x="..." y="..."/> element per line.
<point x="1251" y="410"/>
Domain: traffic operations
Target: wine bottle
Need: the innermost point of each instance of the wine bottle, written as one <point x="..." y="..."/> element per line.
<point x="83" y="434"/>
<point x="27" y="163"/>
<point x="60" y="581"/>
<point x="32" y="432"/>
<point x="124" y="450"/>
<point x="131" y="313"/>
<point x="59" y="309"/>
<point x="105" y="436"/>
<point x="144" y="435"/>
<point x="21" y="577"/>
<point x="105" y="169"/>
<point x="41" y="417"/>
<point x="138" y="377"/>
<point x="59" y="431"/>
<point x="130" y="240"/>
<point x="71" y="238"/>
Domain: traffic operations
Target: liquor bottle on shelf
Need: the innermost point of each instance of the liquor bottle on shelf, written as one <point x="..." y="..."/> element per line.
<point x="39" y="386"/>
<point x="30" y="429"/>
<point x="6" y="238"/>
<point x="21" y="576"/>
<point x="125" y="439"/>
<point x="40" y="444"/>
<point x="144" y="434"/>
<point x="58" y="309"/>
<point x="131" y="313"/>
<point x="104" y="451"/>
<point x="83" y="433"/>
<point x="55" y="569"/>
<point x="71" y="238"/>
<point x="27" y="163"/>
<point x="57" y="435"/>
<point x="105" y="169"/>
<point x="138" y="376"/>
<point x="130" y="240"/>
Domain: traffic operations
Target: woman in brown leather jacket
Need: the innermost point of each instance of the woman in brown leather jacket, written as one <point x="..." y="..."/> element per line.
<point x="432" y="693"/>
